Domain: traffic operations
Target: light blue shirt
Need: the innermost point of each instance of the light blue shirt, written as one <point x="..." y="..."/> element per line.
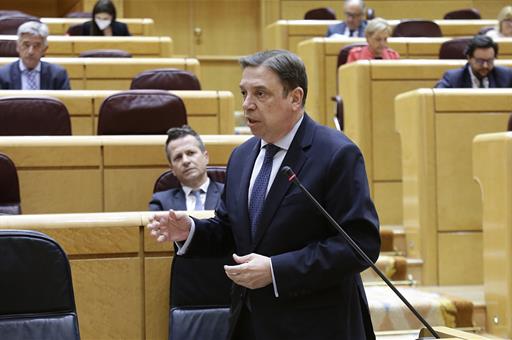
<point x="24" y="80"/>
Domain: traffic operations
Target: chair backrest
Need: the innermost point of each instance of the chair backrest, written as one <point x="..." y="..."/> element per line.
<point x="78" y="15"/>
<point x="205" y="323"/>
<point x="9" y="24"/>
<point x="167" y="180"/>
<point x="454" y="49"/>
<point x="105" y="53"/>
<point x="343" y="55"/>
<point x="36" y="288"/>
<point x="465" y="13"/>
<point x="417" y="28"/>
<point x="370" y="13"/>
<point x="486" y="29"/>
<point x="33" y="116"/>
<point x="322" y="13"/>
<point x="74" y="30"/>
<point x="510" y="123"/>
<point x="166" y="79"/>
<point x="9" y="187"/>
<point x="141" y="112"/>
<point x="8" y="48"/>
<point x="10" y="13"/>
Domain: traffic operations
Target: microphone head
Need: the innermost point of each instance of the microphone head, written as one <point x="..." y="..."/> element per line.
<point x="286" y="170"/>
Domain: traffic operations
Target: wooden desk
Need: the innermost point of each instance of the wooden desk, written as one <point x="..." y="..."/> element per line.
<point x="442" y="208"/>
<point x="121" y="276"/>
<point x="208" y="112"/>
<point x="287" y="34"/>
<point x="71" y="46"/>
<point x="113" y="73"/>
<point x="136" y="26"/>
<point x="69" y="174"/>
<point x="320" y="56"/>
<point x="492" y="167"/>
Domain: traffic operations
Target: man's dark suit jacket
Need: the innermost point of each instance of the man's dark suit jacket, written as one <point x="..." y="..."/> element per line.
<point x="460" y="78"/>
<point x="196" y="281"/>
<point x="317" y="273"/>
<point x="118" y="28"/>
<point x="340" y="29"/>
<point x="53" y="77"/>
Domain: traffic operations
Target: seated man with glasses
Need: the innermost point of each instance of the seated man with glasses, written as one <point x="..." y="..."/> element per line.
<point x="479" y="72"/>
<point x="29" y="72"/>
<point x="354" y="23"/>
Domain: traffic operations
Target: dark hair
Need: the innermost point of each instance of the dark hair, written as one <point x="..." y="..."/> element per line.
<point x="480" y="41"/>
<point x="286" y="65"/>
<point x="102" y="6"/>
<point x="180" y="132"/>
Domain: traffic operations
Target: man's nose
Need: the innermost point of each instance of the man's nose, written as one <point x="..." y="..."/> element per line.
<point x="248" y="103"/>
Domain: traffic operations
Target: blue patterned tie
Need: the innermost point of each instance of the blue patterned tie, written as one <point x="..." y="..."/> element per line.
<point x="31" y="79"/>
<point x="197" y="195"/>
<point x="259" y="188"/>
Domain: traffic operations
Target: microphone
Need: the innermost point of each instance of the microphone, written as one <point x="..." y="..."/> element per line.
<point x="286" y="170"/>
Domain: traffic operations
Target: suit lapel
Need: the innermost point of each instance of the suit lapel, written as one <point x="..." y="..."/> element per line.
<point x="295" y="158"/>
<point x="212" y="196"/>
<point x="43" y="79"/>
<point x="15" y="76"/>
<point x="178" y="199"/>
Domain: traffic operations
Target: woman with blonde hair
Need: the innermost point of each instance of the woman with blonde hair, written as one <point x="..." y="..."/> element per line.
<point x="504" y="27"/>
<point x="377" y="33"/>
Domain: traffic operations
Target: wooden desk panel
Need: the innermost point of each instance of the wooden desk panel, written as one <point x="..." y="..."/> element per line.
<point x="441" y="202"/>
<point x="136" y="26"/>
<point x="208" y="112"/>
<point x="69" y="174"/>
<point x="492" y="162"/>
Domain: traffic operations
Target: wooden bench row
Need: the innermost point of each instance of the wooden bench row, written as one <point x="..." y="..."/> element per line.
<point x="287" y="34"/>
<point x="113" y="73"/>
<point x="208" y="112"/>
<point x="136" y="26"/>
<point x="72" y="46"/>
<point x="70" y="174"/>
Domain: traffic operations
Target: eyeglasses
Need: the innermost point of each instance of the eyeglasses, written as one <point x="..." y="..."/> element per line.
<point x="353" y="15"/>
<point x="481" y="61"/>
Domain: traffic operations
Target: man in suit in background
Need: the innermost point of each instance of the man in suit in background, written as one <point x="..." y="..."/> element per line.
<point x="29" y="72"/>
<point x="188" y="160"/>
<point x="354" y="23"/>
<point x="296" y="277"/>
<point x="480" y="71"/>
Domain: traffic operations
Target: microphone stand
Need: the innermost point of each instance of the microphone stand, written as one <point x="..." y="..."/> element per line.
<point x="293" y="178"/>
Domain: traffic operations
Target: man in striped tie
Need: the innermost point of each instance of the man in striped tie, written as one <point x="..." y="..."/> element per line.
<point x="29" y="72"/>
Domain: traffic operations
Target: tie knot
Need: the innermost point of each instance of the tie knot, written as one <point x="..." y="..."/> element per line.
<point x="271" y="150"/>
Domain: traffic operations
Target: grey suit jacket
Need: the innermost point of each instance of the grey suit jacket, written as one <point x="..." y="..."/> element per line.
<point x="175" y="198"/>
<point x="53" y="77"/>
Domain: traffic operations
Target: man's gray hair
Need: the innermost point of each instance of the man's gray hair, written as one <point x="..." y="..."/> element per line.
<point x="34" y="28"/>
<point x="360" y="3"/>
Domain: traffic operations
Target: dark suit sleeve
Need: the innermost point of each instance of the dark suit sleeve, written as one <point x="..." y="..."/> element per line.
<point x="445" y="82"/>
<point x="155" y="204"/>
<point x="327" y="261"/>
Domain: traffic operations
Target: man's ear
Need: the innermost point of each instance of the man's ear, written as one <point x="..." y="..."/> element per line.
<point x="205" y="153"/>
<point x="296" y="96"/>
<point x="44" y="51"/>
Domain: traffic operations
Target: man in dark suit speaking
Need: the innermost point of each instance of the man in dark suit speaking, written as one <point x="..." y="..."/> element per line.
<point x="188" y="159"/>
<point x="29" y="72"/>
<point x="295" y="277"/>
<point x="480" y="71"/>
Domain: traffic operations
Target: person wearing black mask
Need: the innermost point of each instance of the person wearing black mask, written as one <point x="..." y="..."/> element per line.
<point x="104" y="21"/>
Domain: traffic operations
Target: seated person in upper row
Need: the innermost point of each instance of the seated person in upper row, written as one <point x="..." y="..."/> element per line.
<point x="104" y="21"/>
<point x="479" y="72"/>
<point x="377" y="33"/>
<point x="29" y="72"/>
<point x="504" y="27"/>
<point x="354" y="23"/>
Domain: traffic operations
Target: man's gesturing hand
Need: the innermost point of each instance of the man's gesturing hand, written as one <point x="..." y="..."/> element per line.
<point x="171" y="226"/>
<point x="253" y="271"/>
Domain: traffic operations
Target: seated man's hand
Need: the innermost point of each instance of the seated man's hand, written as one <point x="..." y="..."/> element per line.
<point x="172" y="226"/>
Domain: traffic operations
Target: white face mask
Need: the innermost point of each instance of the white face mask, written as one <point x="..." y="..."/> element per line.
<point x="102" y="24"/>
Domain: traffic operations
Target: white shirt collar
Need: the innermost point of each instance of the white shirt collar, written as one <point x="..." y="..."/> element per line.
<point x="203" y="187"/>
<point x="285" y="142"/>
<point x="23" y="67"/>
<point x="475" y="82"/>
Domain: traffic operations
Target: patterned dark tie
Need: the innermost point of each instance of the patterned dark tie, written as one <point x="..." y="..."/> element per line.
<point x="31" y="79"/>
<point x="259" y="188"/>
<point x="197" y="195"/>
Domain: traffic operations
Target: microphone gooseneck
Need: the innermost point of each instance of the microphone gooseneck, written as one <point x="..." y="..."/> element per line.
<point x="286" y="170"/>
